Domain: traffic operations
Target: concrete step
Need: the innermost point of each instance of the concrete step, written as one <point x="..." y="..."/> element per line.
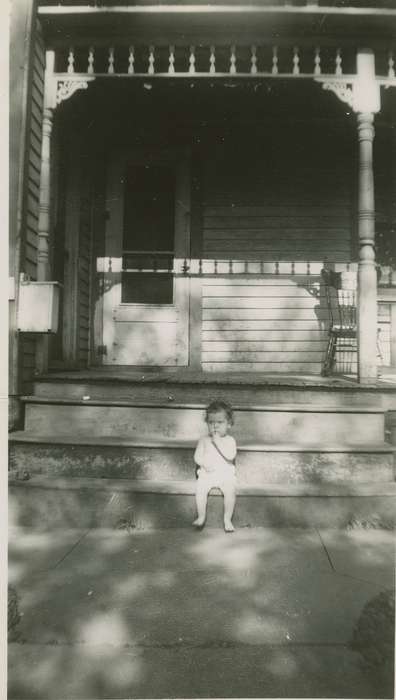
<point x="273" y="423"/>
<point x="165" y="458"/>
<point x="47" y="502"/>
<point x="201" y="388"/>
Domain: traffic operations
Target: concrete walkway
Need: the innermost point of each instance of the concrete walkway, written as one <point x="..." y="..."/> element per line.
<point x="184" y="614"/>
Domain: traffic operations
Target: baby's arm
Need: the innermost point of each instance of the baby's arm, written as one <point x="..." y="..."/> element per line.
<point x="199" y="453"/>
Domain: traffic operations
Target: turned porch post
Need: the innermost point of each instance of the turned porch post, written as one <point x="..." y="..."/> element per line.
<point x="366" y="102"/>
<point x="44" y="214"/>
<point x="45" y="177"/>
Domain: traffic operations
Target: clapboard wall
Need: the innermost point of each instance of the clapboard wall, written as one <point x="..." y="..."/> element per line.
<point x="269" y="323"/>
<point x="290" y="197"/>
<point x="75" y="235"/>
<point x="385" y="218"/>
<point x="32" y="184"/>
<point x="84" y="267"/>
<point x="34" y="157"/>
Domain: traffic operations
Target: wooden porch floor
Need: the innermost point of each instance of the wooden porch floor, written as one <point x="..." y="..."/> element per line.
<point x="386" y="380"/>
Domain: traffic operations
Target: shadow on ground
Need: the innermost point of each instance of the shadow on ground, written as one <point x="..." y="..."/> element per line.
<point x="175" y="613"/>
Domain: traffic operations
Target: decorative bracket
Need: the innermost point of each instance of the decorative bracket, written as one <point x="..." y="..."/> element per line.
<point x="65" y="88"/>
<point x="342" y="89"/>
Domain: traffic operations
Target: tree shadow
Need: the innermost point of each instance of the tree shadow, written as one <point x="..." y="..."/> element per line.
<point x="179" y="614"/>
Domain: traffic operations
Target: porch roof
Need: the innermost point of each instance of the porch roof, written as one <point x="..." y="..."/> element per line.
<point x="357" y="23"/>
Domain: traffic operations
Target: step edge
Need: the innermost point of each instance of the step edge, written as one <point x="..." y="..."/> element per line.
<point x="75" y="440"/>
<point x="187" y="487"/>
<point x="337" y="384"/>
<point x="275" y="408"/>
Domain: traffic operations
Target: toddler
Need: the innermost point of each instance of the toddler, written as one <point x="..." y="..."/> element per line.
<point x="215" y="456"/>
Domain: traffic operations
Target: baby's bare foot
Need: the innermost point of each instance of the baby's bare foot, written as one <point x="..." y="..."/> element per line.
<point x="228" y="526"/>
<point x="199" y="522"/>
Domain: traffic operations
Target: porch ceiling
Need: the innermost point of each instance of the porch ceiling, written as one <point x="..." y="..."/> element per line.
<point x="172" y="111"/>
<point x="214" y="22"/>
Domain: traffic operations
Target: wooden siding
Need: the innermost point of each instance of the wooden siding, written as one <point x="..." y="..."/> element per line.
<point x="32" y="195"/>
<point x="288" y="206"/>
<point x="268" y="323"/>
<point x="28" y="360"/>
<point x="84" y="272"/>
<point x="274" y="203"/>
<point x="384" y="325"/>
<point x="385" y="210"/>
<point x="34" y="155"/>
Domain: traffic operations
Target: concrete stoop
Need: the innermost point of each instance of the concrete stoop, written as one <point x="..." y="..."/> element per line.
<point x="111" y="454"/>
<point x="45" y="502"/>
<point x="162" y="458"/>
<point x="202" y="387"/>
<point x="268" y="423"/>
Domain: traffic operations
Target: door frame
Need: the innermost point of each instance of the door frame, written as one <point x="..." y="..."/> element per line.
<point x="117" y="162"/>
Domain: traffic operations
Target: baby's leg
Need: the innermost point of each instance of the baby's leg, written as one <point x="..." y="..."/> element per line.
<point x="229" y="493"/>
<point x="201" y="499"/>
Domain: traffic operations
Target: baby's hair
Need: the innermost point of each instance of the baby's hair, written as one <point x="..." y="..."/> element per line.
<point x="216" y="406"/>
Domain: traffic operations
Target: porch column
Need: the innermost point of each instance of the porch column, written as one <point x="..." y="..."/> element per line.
<point x="44" y="217"/>
<point x="366" y="102"/>
<point x="45" y="177"/>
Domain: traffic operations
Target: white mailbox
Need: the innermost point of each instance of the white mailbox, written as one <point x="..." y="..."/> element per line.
<point x="38" y="309"/>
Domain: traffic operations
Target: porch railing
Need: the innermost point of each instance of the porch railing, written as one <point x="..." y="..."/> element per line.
<point x="251" y="60"/>
<point x="167" y="263"/>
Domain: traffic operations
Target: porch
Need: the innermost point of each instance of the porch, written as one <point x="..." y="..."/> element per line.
<point x="103" y="443"/>
<point x="220" y="270"/>
<point x="191" y="194"/>
<point x="193" y="182"/>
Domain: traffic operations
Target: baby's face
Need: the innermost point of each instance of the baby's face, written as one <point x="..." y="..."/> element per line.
<point x="218" y="424"/>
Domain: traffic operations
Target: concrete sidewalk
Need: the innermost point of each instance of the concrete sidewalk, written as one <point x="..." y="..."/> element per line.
<point x="185" y="614"/>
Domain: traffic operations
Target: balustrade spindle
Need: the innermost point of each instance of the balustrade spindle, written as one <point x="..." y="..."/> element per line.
<point x="391" y="65"/>
<point x="151" y="61"/>
<point x="200" y="266"/>
<point x="215" y="267"/>
<point x="131" y="60"/>
<point x="171" y="68"/>
<point x="296" y="61"/>
<point x="338" y="62"/>
<point x="230" y="267"/>
<point x="275" y="70"/>
<point x="212" y="60"/>
<point x="317" y="68"/>
<point x="70" y="61"/>
<point x="233" y="60"/>
<point x="277" y="268"/>
<point x="191" y="60"/>
<point x="293" y="268"/>
<point x="253" y="68"/>
<point x="110" y="68"/>
<point x="90" y="69"/>
<point x="308" y="268"/>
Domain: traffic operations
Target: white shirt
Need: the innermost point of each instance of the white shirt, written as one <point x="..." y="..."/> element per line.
<point x="209" y="459"/>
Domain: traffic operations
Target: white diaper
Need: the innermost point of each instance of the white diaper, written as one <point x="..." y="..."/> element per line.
<point x="218" y="477"/>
